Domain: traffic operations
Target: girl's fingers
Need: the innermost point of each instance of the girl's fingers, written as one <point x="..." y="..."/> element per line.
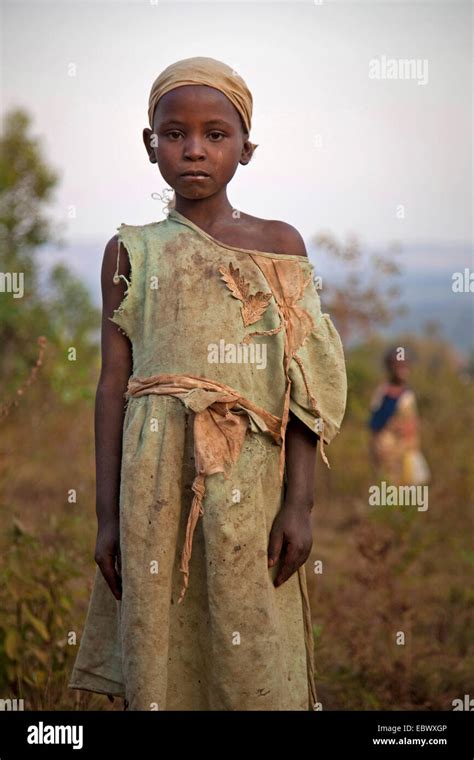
<point x="110" y="574"/>
<point x="291" y="563"/>
<point x="275" y="543"/>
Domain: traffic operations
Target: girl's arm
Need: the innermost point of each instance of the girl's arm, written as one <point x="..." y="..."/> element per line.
<point x="109" y="415"/>
<point x="291" y="535"/>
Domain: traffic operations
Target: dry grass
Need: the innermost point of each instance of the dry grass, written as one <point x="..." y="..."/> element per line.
<point x="386" y="570"/>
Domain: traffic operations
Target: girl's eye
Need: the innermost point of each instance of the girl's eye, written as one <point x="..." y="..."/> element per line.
<point x="174" y="135"/>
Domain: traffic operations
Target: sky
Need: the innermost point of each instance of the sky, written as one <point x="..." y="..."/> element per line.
<point x="386" y="159"/>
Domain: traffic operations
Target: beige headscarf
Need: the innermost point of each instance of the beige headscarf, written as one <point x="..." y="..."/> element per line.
<point x="208" y="71"/>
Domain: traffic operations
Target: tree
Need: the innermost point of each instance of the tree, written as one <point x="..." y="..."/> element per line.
<point x="63" y="312"/>
<point x="26" y="186"/>
<point x="368" y="296"/>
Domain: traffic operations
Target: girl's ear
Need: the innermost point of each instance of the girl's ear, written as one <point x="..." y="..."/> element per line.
<point x="150" y="140"/>
<point x="247" y="152"/>
<point x="253" y="147"/>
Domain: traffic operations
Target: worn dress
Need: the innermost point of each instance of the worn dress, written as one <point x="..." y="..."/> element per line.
<point x="225" y="342"/>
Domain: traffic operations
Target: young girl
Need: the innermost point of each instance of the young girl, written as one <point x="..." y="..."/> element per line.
<point x="205" y="482"/>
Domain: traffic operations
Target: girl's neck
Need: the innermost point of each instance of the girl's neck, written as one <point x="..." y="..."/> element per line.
<point x="208" y="212"/>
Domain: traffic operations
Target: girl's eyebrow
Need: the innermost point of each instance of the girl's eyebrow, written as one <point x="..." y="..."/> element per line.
<point x="168" y="122"/>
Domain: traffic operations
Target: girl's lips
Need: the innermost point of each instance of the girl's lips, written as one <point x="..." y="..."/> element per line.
<point x="194" y="176"/>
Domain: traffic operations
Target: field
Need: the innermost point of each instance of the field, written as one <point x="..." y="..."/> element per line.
<point x="386" y="571"/>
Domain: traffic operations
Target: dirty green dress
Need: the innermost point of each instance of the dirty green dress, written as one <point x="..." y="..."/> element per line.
<point x="249" y="321"/>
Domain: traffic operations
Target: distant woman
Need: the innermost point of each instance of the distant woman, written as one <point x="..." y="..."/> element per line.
<point x="394" y="422"/>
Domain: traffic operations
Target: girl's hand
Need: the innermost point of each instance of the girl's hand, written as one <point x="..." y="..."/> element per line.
<point x="291" y="539"/>
<point x="107" y="555"/>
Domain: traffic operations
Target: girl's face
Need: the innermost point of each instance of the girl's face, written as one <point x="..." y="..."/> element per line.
<point x="197" y="129"/>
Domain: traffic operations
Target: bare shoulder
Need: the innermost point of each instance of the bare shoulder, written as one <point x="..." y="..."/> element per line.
<point x="279" y="237"/>
<point x="287" y="238"/>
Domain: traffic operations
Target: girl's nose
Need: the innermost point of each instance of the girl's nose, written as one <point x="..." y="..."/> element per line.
<point x="193" y="148"/>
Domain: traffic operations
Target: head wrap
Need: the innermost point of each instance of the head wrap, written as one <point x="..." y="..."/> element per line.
<point x="208" y="71"/>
